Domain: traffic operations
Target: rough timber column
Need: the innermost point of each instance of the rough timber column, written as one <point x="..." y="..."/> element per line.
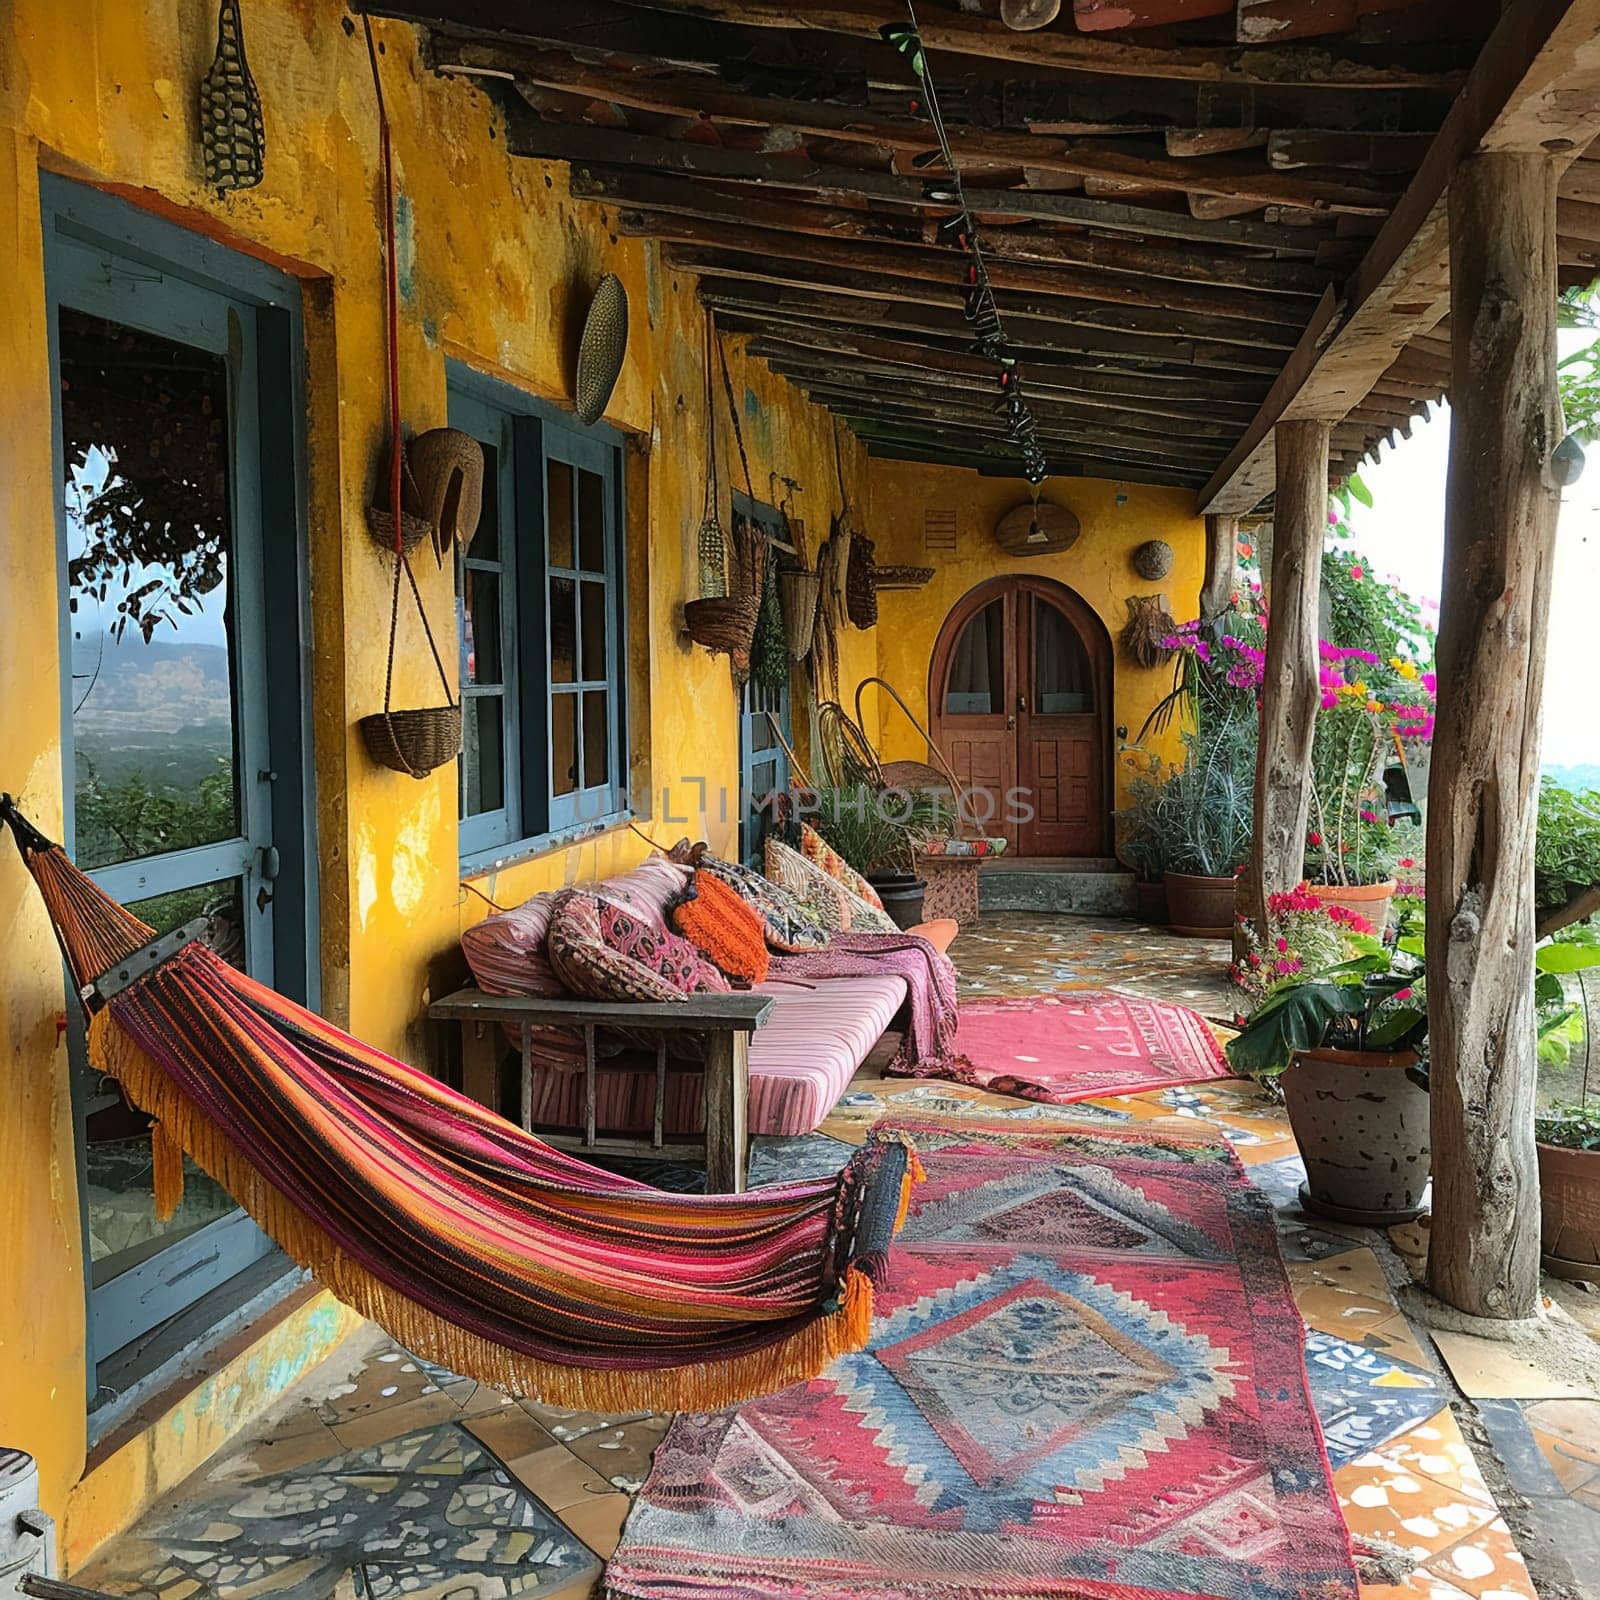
<point x="1289" y="692"/>
<point x="1500" y="520"/>
<point x="1222" y="566"/>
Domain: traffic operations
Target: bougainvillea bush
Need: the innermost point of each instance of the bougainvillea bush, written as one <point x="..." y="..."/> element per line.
<point x="1303" y="936"/>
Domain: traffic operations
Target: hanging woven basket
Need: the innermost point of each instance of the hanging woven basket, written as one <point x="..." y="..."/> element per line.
<point x="414" y="525"/>
<point x="724" y="623"/>
<point x="1149" y="624"/>
<point x="798" y="592"/>
<point x="413" y="742"/>
<point x="447" y="466"/>
<point x="861" y="583"/>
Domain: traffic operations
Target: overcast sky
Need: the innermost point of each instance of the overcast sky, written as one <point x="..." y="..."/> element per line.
<point x="1403" y="536"/>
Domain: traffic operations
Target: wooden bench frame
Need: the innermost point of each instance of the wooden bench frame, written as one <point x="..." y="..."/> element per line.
<point x="725" y="1021"/>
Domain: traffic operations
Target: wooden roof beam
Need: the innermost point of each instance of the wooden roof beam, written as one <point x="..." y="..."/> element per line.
<point x="1536" y="85"/>
<point x="963" y="33"/>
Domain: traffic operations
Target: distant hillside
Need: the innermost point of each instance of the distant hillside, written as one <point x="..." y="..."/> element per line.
<point x="1586" y="776"/>
<point x="163" y="710"/>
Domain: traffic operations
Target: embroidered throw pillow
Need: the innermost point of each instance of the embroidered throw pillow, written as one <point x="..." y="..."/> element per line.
<point x="667" y="954"/>
<point x="845" y="911"/>
<point x="588" y="966"/>
<point x="820" y="853"/>
<point x="716" y="920"/>
<point x="790" y="925"/>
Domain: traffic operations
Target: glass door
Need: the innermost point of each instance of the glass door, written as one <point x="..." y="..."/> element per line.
<point x="169" y="765"/>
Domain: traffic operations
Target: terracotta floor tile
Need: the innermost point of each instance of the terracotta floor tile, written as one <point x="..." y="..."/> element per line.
<point x="1573" y="1466"/>
<point x="1435" y="1449"/>
<point x="389" y="1422"/>
<point x="1356" y="1271"/>
<point x="391" y="1377"/>
<point x="598" y="1522"/>
<point x="623" y="1454"/>
<point x="1487" y="1564"/>
<point x="1491" y="1370"/>
<point x="1411" y="1512"/>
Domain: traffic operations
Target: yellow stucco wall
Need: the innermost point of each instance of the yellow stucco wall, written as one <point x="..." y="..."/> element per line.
<point x="497" y="263"/>
<point x="1115" y="518"/>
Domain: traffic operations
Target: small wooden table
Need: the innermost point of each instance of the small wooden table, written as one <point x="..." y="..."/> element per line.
<point x="726" y="1021"/>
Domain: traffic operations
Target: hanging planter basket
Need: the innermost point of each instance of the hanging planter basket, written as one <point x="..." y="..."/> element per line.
<point x="724" y="623"/>
<point x="798" y="592"/>
<point x="447" y="467"/>
<point x="414" y="524"/>
<point x="413" y="742"/>
<point x="861" y="583"/>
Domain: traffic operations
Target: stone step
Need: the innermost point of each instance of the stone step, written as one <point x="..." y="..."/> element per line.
<point x="1074" y="888"/>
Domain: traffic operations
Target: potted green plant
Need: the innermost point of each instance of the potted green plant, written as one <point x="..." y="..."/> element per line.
<point x="1139" y="846"/>
<point x="879" y="832"/>
<point x="1342" y="1018"/>
<point x="1569" y="1190"/>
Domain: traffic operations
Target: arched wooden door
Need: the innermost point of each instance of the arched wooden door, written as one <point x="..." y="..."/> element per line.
<point x="1020" y="695"/>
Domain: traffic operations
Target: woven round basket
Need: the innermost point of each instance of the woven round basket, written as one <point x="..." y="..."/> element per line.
<point x="724" y="623"/>
<point x="413" y="742"/>
<point x="903" y="577"/>
<point x="798" y="592"/>
<point x="604" y="344"/>
<point x="1153" y="559"/>
<point x="861" y="583"/>
<point x="447" y="465"/>
<point x="414" y="526"/>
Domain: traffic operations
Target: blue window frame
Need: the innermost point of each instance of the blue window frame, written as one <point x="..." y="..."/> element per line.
<point x="541" y="617"/>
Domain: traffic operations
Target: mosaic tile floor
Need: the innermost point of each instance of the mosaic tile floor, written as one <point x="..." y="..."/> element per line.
<point x="402" y="1479"/>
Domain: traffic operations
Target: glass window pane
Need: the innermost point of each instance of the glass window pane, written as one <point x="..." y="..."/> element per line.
<point x="150" y="547"/>
<point x="563" y="630"/>
<point x="1063" y="682"/>
<point x="483" y="767"/>
<point x="559" y="502"/>
<point x="120" y="1188"/>
<point x="594" y="632"/>
<point x="485" y="544"/>
<point x="563" y="743"/>
<point x="976" y="684"/>
<point x="480" y="621"/>
<point x="596" y="739"/>
<point x="591" y="521"/>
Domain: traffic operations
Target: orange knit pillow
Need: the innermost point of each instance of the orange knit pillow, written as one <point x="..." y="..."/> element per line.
<point x="714" y="919"/>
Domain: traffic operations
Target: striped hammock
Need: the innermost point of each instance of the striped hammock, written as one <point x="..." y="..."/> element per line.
<point x="473" y="1243"/>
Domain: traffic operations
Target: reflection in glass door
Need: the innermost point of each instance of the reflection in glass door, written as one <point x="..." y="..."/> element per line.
<point x="170" y="771"/>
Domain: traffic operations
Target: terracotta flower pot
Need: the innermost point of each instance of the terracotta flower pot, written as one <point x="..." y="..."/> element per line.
<point x="1361" y="1123"/>
<point x="1569" y="1210"/>
<point x="1200" y="907"/>
<point x="1369" y="900"/>
<point x="1150" y="903"/>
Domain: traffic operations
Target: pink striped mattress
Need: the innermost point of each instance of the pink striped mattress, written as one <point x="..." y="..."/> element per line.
<point x="801" y="1061"/>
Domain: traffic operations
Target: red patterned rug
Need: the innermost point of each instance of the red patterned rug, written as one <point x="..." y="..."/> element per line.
<point x="1086" y="1382"/>
<point x="1076" y="1046"/>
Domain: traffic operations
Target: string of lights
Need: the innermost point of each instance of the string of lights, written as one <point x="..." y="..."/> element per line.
<point x="957" y="229"/>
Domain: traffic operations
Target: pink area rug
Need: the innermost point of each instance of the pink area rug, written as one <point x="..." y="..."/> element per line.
<point x="1086" y="1381"/>
<point x="1076" y="1046"/>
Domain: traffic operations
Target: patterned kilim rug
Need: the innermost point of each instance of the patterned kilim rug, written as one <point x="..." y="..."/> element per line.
<point x="1086" y="1381"/>
<point x="1078" y="1045"/>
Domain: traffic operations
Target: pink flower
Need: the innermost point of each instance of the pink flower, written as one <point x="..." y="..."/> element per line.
<point x="1406" y="861"/>
<point x="1358" y="573"/>
<point x="1403" y="994"/>
<point x="1369" y="816"/>
<point x="1281" y="944"/>
<point x="1313" y="839"/>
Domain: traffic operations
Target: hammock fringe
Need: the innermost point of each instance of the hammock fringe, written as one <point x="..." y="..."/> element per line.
<point x="179" y="1129"/>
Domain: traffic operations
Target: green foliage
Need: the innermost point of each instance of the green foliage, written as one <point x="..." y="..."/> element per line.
<point x="125" y="820"/>
<point x="1572" y="1127"/>
<point x="1578" y="374"/>
<point x="1566" y="856"/>
<point x="1198" y="819"/>
<point x="1375" y="1001"/>
<point x="877" y="830"/>
<point x="769" y="655"/>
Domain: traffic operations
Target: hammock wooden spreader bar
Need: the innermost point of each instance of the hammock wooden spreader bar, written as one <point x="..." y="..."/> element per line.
<point x="473" y="1243"/>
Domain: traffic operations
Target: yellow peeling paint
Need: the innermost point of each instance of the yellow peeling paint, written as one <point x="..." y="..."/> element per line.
<point x="497" y="262"/>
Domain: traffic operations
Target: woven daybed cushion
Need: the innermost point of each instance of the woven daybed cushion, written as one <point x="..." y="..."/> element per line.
<point x="801" y="1060"/>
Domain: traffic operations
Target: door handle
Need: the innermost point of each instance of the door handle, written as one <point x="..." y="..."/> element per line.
<point x="1011" y="722"/>
<point x="1022" y="704"/>
<point x="270" y="862"/>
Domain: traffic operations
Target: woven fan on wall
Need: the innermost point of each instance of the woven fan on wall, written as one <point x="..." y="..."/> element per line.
<point x="233" y="139"/>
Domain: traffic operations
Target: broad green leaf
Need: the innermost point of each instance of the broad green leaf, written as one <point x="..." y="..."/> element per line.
<point x="1566" y="957"/>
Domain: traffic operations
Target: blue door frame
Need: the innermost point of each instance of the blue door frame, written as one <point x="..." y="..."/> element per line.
<point x="107" y="260"/>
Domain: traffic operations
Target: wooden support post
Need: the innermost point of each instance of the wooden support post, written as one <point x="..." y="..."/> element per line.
<point x="727" y="1101"/>
<point x="1222" y="566"/>
<point x="1289" y="691"/>
<point x="1500" y="520"/>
